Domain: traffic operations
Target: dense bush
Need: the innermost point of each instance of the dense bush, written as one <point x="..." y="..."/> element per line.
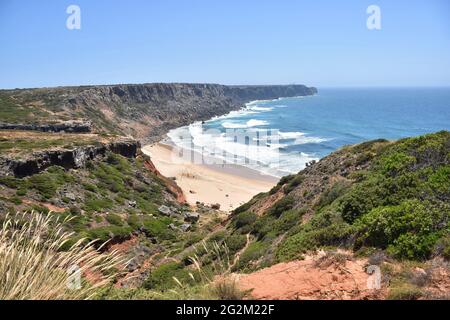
<point x="273" y="226"/>
<point x="93" y="204"/>
<point x="235" y="242"/>
<point x="337" y="189"/>
<point x="253" y="252"/>
<point x="134" y="221"/>
<point x="162" y="278"/>
<point x="47" y="182"/>
<point x="158" y="228"/>
<point x="400" y="204"/>
<point x="409" y="230"/>
<point x="104" y="234"/>
<point x="324" y="229"/>
<point x="114" y="219"/>
<point x="244" y="219"/>
<point x="282" y="205"/>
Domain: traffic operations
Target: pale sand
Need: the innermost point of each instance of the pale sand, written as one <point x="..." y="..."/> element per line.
<point x="228" y="185"/>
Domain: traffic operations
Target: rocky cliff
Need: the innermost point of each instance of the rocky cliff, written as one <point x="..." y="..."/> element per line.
<point x="144" y="111"/>
<point x="67" y="158"/>
<point x="63" y="126"/>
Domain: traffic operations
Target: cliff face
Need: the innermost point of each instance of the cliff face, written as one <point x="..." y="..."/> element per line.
<point x="68" y="159"/>
<point x="145" y="111"/>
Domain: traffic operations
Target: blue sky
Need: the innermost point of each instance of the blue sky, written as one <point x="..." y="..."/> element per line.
<point x="321" y="42"/>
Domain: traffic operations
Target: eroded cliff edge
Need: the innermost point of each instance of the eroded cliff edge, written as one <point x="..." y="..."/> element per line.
<point x="144" y="111"/>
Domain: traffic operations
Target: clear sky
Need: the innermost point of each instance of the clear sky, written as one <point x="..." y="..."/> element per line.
<point x="315" y="42"/>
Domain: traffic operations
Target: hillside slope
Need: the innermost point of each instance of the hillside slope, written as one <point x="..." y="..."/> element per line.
<point x="144" y="111"/>
<point x="392" y="196"/>
<point x="312" y="236"/>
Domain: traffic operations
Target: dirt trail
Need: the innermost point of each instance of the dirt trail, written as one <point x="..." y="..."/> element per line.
<point x="311" y="278"/>
<point x="238" y="255"/>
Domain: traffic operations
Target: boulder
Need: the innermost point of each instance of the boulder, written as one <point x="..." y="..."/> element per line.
<point x="185" y="227"/>
<point x="191" y="217"/>
<point x="70" y="196"/>
<point x="165" y="210"/>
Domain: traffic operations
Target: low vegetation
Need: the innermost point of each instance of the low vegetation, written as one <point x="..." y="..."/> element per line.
<point x="397" y="201"/>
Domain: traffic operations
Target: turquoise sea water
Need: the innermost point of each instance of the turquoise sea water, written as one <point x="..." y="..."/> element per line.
<point x="283" y="134"/>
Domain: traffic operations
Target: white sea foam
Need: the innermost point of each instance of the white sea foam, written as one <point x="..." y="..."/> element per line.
<point x="249" y="124"/>
<point x="251" y="142"/>
<point x="290" y="135"/>
<point x="262" y="109"/>
<point x="266" y="155"/>
<point x="297" y="137"/>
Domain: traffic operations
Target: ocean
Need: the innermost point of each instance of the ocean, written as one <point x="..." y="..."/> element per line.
<point x="279" y="137"/>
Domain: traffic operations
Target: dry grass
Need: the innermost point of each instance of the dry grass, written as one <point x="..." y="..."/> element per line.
<point x="214" y="283"/>
<point x="33" y="266"/>
<point x="330" y="258"/>
<point x="227" y="289"/>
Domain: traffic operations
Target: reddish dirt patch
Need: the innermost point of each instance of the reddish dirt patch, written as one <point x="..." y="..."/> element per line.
<point x="262" y="206"/>
<point x="123" y="247"/>
<point x="308" y="279"/>
<point x="171" y="185"/>
<point x="49" y="206"/>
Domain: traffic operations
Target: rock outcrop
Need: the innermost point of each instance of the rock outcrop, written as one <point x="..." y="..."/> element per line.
<point x="63" y="126"/>
<point x="66" y="158"/>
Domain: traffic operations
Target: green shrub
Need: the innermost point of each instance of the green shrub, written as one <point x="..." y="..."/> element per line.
<point x="21" y="192"/>
<point x="193" y="238"/>
<point x="11" y="182"/>
<point x="404" y="292"/>
<point x="134" y="221"/>
<point x="396" y="162"/>
<point x="243" y="219"/>
<point x="324" y="229"/>
<point x="236" y="242"/>
<point x="282" y="205"/>
<point x="269" y="224"/>
<point x="103" y="234"/>
<point x="337" y="189"/>
<point x="218" y="236"/>
<point x="410" y="230"/>
<point x="90" y="187"/>
<point x="47" y="183"/>
<point x="293" y="183"/>
<point x="157" y="228"/>
<point x="162" y="278"/>
<point x="15" y="200"/>
<point x="440" y="180"/>
<point x="253" y="252"/>
<point x="114" y="219"/>
<point x="97" y="205"/>
<point x="361" y="198"/>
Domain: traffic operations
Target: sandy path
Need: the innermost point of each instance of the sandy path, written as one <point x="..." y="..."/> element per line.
<point x="229" y="187"/>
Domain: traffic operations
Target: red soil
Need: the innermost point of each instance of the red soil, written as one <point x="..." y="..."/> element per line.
<point x="309" y="279"/>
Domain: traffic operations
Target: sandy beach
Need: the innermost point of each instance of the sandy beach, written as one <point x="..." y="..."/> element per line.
<point x="228" y="185"/>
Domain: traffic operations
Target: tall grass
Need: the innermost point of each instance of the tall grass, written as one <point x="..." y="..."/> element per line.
<point x="217" y="282"/>
<point x="33" y="265"/>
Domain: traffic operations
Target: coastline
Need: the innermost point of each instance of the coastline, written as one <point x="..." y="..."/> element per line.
<point x="228" y="185"/>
